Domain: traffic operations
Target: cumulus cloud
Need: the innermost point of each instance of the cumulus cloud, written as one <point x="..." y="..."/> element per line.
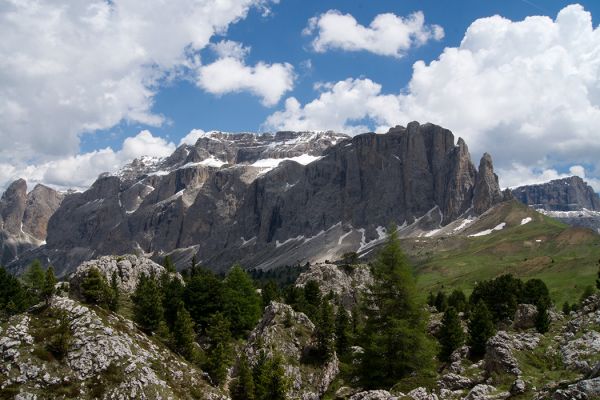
<point x="80" y="171"/>
<point x="528" y="92"/>
<point x="69" y="67"/>
<point x="230" y="74"/>
<point x="192" y="137"/>
<point x="387" y="35"/>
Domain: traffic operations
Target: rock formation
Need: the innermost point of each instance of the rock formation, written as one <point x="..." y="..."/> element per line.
<point x="24" y="218"/>
<point x="270" y="200"/>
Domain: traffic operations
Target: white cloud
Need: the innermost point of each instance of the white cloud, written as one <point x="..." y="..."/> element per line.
<point x="80" y="171"/>
<point x="192" y="137"/>
<point x="68" y="67"/>
<point x="231" y="74"/>
<point x="528" y="92"/>
<point x="230" y="48"/>
<point x="386" y="35"/>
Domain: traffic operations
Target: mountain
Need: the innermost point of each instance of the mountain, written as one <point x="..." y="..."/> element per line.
<point x="273" y="199"/>
<point x="24" y="218"/>
<point x="570" y="200"/>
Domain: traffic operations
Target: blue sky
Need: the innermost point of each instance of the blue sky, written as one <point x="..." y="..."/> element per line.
<point x="88" y="114"/>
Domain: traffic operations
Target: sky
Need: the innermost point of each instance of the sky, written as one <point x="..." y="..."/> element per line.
<point x="85" y="87"/>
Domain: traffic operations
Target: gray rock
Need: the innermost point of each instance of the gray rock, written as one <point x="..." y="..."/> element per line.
<point x="525" y="316"/>
<point x="499" y="356"/>
<point x="374" y="395"/>
<point x="567" y="194"/>
<point x="582" y="390"/>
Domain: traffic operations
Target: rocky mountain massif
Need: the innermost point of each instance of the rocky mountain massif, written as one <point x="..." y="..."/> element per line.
<point x="24" y="218"/>
<point x="569" y="200"/>
<point x="269" y="200"/>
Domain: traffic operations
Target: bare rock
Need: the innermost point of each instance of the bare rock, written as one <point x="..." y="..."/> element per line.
<point x="525" y="316"/>
<point x="374" y="395"/>
<point x="582" y="390"/>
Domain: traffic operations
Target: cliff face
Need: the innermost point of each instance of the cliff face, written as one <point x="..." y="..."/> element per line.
<point x="272" y="199"/>
<point x="24" y="218"/>
<point x="568" y="194"/>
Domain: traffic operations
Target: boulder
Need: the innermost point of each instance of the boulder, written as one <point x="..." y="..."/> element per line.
<point x="374" y="395"/>
<point x="525" y="316"/>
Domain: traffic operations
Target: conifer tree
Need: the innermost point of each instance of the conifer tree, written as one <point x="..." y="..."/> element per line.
<point x="34" y="279"/>
<point x="49" y="287"/>
<point x="269" y="293"/>
<point x="566" y="308"/>
<point x="184" y="335"/>
<point x="168" y="264"/>
<point x="458" y="300"/>
<point x="395" y="336"/>
<point x="542" y="320"/>
<point x="451" y="334"/>
<point x="431" y="299"/>
<point x="325" y="329"/>
<point x="219" y="354"/>
<point x="115" y="295"/>
<point x="481" y="328"/>
<point x="241" y="302"/>
<point x="172" y="290"/>
<point x="94" y="287"/>
<point x="441" y="302"/>
<point x="147" y="304"/>
<point x="242" y="388"/>
<point x="203" y="297"/>
<point x="270" y="381"/>
<point x="13" y="297"/>
<point x="312" y="295"/>
<point x="535" y="291"/>
<point x="342" y="331"/>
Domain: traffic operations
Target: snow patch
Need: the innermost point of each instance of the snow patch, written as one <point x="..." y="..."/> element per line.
<point x="527" y="220"/>
<point x="498" y="227"/>
<point x="267" y="164"/>
<point x="463" y="225"/>
<point x="279" y="244"/>
<point x="344" y="236"/>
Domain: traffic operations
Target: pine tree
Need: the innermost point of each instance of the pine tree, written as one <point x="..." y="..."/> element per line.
<point x="431" y="299"/>
<point x="219" y="354"/>
<point x="203" y="297"/>
<point x="458" y="300"/>
<point x="172" y="290"/>
<point x="324" y="332"/>
<point x="60" y="340"/>
<point x="535" y="291"/>
<point x="184" y="335"/>
<point x="441" y="301"/>
<point x="34" y="279"/>
<point x="147" y="304"/>
<point x="115" y="295"/>
<point x="312" y="294"/>
<point x="270" y="293"/>
<point x="168" y="264"/>
<point x="241" y="302"/>
<point x="481" y="328"/>
<point x="395" y="335"/>
<point x="49" y="285"/>
<point x="342" y="331"/>
<point x="242" y="388"/>
<point x="270" y="381"/>
<point x="566" y="308"/>
<point x="451" y="334"/>
<point x="542" y="320"/>
<point x="13" y="297"/>
<point x="94" y="288"/>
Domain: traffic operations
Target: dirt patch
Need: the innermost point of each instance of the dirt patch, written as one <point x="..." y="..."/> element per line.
<point x="576" y="235"/>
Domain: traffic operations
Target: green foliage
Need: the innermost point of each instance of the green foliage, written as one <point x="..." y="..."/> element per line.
<point x="394" y="337"/>
<point x="269" y="293"/>
<point x="34" y="279"/>
<point x="94" y="288"/>
<point x="172" y="291"/>
<point x="49" y="285"/>
<point x="203" y="297"/>
<point x="241" y="302"/>
<point x="451" y="334"/>
<point x="312" y="297"/>
<point x="115" y="295"/>
<point x="431" y="299"/>
<point x="566" y="308"/>
<point x="147" y="304"/>
<point x="270" y="381"/>
<point x="598" y="276"/>
<point x="542" y="320"/>
<point x="324" y="332"/>
<point x="242" y="388"/>
<point x="350" y="258"/>
<point x="441" y="302"/>
<point x="458" y="300"/>
<point x="500" y="295"/>
<point x="481" y="328"/>
<point x="219" y="354"/>
<point x="184" y="336"/>
<point x="294" y="296"/>
<point x="587" y="292"/>
<point x="168" y="264"/>
<point x="13" y="297"/>
<point x="60" y="338"/>
<point x="283" y="276"/>
<point x="343" y="334"/>
<point x="535" y="291"/>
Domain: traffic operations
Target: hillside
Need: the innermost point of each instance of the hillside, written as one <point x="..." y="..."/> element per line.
<point x="565" y="257"/>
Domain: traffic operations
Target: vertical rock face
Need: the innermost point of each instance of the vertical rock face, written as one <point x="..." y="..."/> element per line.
<point x="568" y="194"/>
<point x="24" y="218"/>
<point x="267" y="200"/>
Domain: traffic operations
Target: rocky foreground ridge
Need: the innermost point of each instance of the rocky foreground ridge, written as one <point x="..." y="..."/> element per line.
<point x="272" y="200"/>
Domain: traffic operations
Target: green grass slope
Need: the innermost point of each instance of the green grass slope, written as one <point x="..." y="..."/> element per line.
<point x="564" y="257"/>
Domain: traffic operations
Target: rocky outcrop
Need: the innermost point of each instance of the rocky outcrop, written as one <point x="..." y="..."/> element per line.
<point x="271" y="200"/>
<point x="347" y="282"/>
<point x="499" y="349"/>
<point x="106" y="357"/>
<point x="568" y="194"/>
<point x="583" y="390"/>
<point x="128" y="269"/>
<point x="289" y="334"/>
<point x="24" y="218"/>
<point x="525" y="316"/>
